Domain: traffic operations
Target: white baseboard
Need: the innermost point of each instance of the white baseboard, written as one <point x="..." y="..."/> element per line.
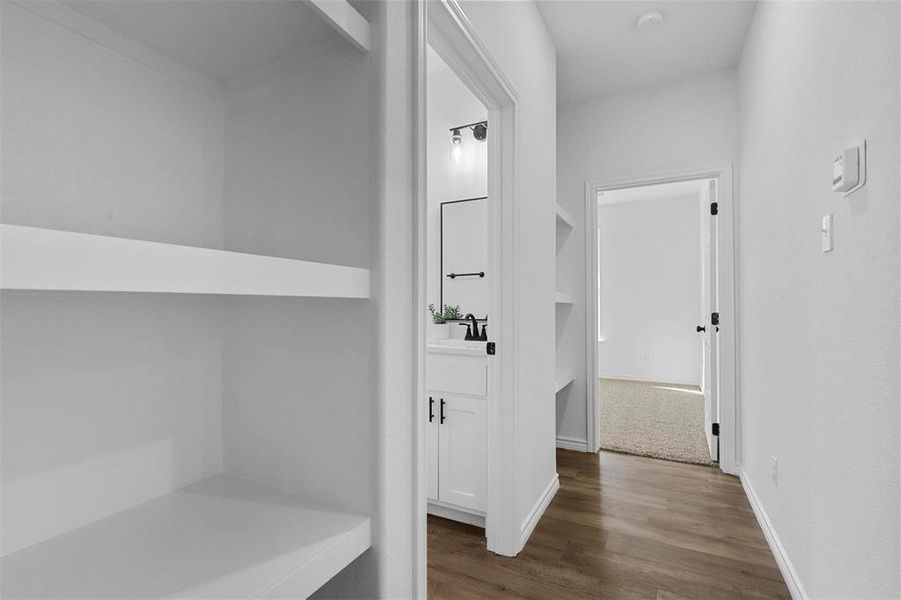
<point x="569" y="443"/>
<point x="455" y="514"/>
<point x="528" y="526"/>
<point x="785" y="564"/>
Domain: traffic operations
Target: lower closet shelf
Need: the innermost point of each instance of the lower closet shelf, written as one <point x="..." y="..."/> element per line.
<point x="223" y="537"/>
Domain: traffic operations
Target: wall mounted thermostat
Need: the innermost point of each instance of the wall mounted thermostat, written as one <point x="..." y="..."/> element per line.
<point x="849" y="169"/>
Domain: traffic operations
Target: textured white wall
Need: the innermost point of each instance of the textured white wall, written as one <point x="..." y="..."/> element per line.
<point x="108" y="399"/>
<point x="819" y="332"/>
<point x="518" y="40"/>
<point x="687" y="124"/>
<point x="650" y="275"/>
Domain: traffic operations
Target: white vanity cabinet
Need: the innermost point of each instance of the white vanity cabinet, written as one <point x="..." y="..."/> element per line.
<point x="457" y="431"/>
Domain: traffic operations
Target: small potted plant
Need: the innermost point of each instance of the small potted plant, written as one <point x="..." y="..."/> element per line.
<point x="439" y="328"/>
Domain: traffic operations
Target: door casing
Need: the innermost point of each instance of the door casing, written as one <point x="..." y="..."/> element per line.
<point x="443" y="25"/>
<point x="727" y="268"/>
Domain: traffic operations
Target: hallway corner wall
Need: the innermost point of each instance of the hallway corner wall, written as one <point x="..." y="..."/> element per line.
<point x="819" y="332"/>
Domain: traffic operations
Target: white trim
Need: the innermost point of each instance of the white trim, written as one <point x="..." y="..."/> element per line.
<point x="795" y="587"/>
<point x="529" y="523"/>
<point x="453" y="37"/>
<point x="729" y="401"/>
<point x="346" y="21"/>
<point x="571" y="443"/>
<point x="446" y="511"/>
<point x="420" y="272"/>
<point x="125" y="47"/>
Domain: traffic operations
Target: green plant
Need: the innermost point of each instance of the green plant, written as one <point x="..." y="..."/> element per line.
<point x="437" y="316"/>
<point x="452" y="313"/>
<point x="440" y="317"/>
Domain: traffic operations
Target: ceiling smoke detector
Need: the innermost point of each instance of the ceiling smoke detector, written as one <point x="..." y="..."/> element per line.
<point x="649" y="20"/>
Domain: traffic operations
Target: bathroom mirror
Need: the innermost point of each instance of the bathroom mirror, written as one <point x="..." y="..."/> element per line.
<point x="464" y="255"/>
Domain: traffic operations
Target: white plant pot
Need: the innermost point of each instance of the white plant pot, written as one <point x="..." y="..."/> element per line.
<point x="439" y="332"/>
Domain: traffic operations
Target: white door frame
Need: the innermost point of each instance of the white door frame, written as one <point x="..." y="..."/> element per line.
<point x="452" y="36"/>
<point x="728" y="340"/>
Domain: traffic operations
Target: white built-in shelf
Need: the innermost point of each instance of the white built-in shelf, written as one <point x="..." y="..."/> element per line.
<point x="32" y="258"/>
<point x="223" y="537"/>
<point x="562" y="381"/>
<point x="563" y="298"/>
<point x="564" y="217"/>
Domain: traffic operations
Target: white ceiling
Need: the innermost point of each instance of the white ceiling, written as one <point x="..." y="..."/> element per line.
<point x="600" y="51"/>
<point x="220" y="39"/>
<point x="653" y="192"/>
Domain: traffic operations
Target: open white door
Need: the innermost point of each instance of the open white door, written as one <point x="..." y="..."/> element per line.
<point x="710" y="328"/>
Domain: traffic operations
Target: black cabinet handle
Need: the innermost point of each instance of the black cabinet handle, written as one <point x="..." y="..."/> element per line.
<point x="431" y="409"/>
<point x="700" y="328"/>
<point x="441" y="419"/>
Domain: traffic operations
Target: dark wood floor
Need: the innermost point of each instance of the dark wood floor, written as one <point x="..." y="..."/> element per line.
<point x="620" y="527"/>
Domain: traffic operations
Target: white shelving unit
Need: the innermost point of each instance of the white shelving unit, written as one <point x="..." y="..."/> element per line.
<point x="562" y="298"/>
<point x="563" y="380"/>
<point x="564" y="218"/>
<point x="222" y="537"/>
<point x="173" y="325"/>
<point x="32" y="258"/>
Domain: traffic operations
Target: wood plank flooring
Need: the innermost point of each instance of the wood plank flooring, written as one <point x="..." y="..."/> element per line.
<point x="620" y="527"/>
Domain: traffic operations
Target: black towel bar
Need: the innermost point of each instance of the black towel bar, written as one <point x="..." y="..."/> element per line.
<point x="455" y="275"/>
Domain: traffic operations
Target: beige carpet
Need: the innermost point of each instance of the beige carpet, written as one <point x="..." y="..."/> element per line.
<point x="653" y="419"/>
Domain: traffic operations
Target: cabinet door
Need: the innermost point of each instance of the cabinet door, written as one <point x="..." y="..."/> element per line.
<point x="462" y="462"/>
<point x="431" y="443"/>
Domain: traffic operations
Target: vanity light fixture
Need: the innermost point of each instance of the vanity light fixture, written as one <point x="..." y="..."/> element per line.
<point x="457" y="141"/>
<point x="479" y="131"/>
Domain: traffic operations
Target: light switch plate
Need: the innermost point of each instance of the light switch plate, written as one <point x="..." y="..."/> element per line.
<point x="826" y="232"/>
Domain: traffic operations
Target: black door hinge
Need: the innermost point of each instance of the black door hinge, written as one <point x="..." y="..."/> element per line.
<point x="714" y="208"/>
<point x="715" y="428"/>
<point x="490" y="349"/>
<point x="715" y="318"/>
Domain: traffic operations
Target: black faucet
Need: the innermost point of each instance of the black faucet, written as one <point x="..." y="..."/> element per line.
<point x="472" y="332"/>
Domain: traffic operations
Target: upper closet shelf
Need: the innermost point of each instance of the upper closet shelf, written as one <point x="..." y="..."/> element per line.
<point x="32" y="258"/>
<point x="564" y="217"/>
<point x="223" y="537"/>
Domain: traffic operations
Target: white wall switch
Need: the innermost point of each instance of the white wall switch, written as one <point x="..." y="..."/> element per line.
<point x="774" y="470"/>
<point x="826" y="232"/>
<point x="849" y="169"/>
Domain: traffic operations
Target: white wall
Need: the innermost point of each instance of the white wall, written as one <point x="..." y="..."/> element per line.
<point x="819" y="332"/>
<point x="687" y="124"/>
<point x="450" y="103"/>
<point x="650" y="276"/>
<point x="108" y="399"/>
<point x="298" y="185"/>
<point x="518" y="40"/>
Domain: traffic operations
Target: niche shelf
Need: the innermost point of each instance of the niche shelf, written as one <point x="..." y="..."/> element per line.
<point x="33" y="258"/>
<point x="563" y="380"/>
<point x="564" y="218"/>
<point x="223" y="537"/>
<point x="563" y="298"/>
